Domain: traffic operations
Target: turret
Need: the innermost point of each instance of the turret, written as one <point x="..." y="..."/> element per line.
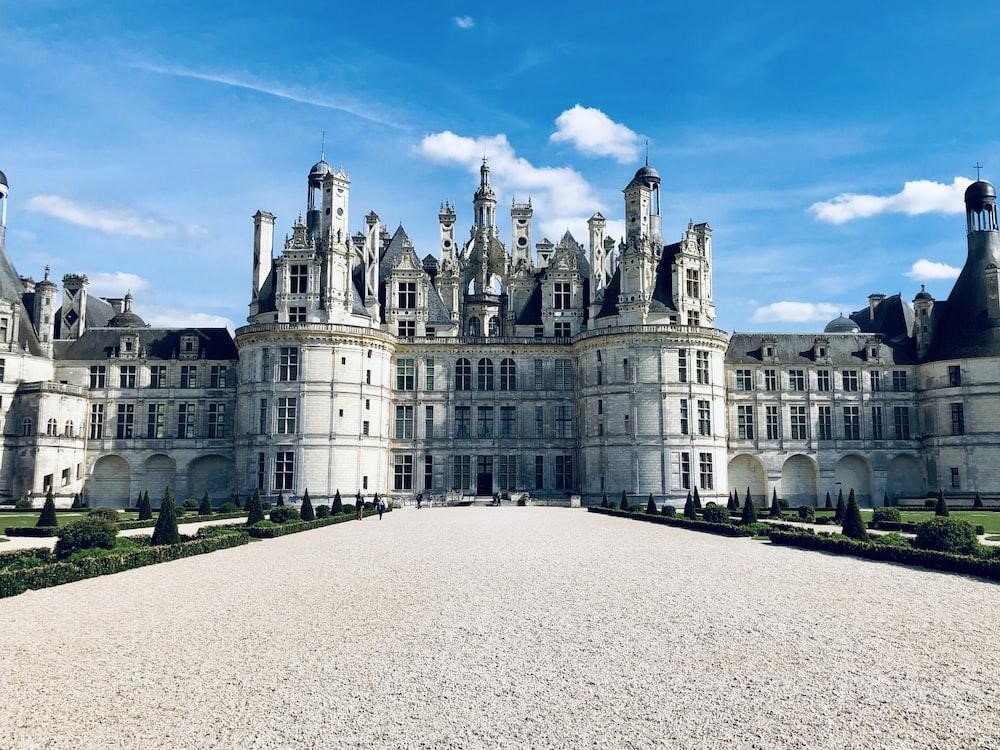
<point x="923" y="309"/>
<point x="485" y="201"/>
<point x="314" y="199"/>
<point x="642" y="207"/>
<point x="336" y="199"/>
<point x="520" y="219"/>
<point x="3" y="206"/>
<point x="981" y="220"/>
<point x="372" y="248"/>
<point x="45" y="311"/>
<point x="446" y="223"/>
<point x="73" y="320"/>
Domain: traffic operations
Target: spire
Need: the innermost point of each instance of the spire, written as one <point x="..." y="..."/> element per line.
<point x="978" y="169"/>
<point x="647" y="152"/>
<point x="322" y="148"/>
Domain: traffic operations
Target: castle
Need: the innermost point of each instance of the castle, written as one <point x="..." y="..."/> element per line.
<point x="489" y="368"/>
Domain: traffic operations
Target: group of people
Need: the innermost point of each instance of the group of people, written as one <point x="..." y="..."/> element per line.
<point x="380" y="506"/>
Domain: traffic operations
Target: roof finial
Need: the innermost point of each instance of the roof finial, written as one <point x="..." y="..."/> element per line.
<point x="46" y="273"/>
<point x="978" y="167"/>
<point x="647" y="152"/>
<point x="322" y="148"/>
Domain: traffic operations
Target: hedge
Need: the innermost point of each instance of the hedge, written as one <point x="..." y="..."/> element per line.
<point x="31" y="531"/>
<point x="181" y="520"/>
<point x="984" y="567"/>
<point x="723" y="529"/>
<point x="19" y="581"/>
<point x="270" y="532"/>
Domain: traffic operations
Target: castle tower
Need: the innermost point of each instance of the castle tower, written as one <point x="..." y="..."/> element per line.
<point x="520" y="219"/>
<point x="336" y="195"/>
<point x="642" y="207"/>
<point x="448" y="278"/>
<point x="45" y="311"/>
<point x="314" y="199"/>
<point x="485" y="201"/>
<point x="73" y="316"/>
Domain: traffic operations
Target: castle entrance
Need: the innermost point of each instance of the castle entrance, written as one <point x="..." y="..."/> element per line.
<point x="484" y="475"/>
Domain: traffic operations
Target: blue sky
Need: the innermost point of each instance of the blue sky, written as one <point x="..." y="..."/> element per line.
<point x="822" y="143"/>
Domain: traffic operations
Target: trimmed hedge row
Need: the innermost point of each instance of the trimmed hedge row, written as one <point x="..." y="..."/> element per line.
<point x="151" y="523"/>
<point x="723" y="529"/>
<point x="31" y="531"/>
<point x="986" y="568"/>
<point x="19" y="581"/>
<point x="270" y="532"/>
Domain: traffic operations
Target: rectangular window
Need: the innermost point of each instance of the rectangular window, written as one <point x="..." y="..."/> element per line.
<point x="366" y="428"/>
<point x="461" y="472"/>
<point x="288" y="363"/>
<point x="770" y="380"/>
<point x="158" y="376"/>
<point x="772" y="422"/>
<point x="564" y="421"/>
<point x="428" y="472"/>
<point x="561" y="295"/>
<point x="682" y="365"/>
<point x="507" y="472"/>
<point x="796" y="380"/>
<point x="485" y="421"/>
<point x="298" y="278"/>
<point x="899" y="380"/>
<point x="744" y="421"/>
<point x="537" y="372"/>
<point x="691" y="283"/>
<point x="284" y="470"/>
<point x="96" y="421"/>
<point x="185" y="420"/>
<point x="126" y="421"/>
<point x="849" y="379"/>
<point x="685" y="422"/>
<point x="406" y="328"/>
<point x="368" y="377"/>
<point x="564" y="472"/>
<point x="98" y="376"/>
<point x="901" y="422"/>
<point x="694" y="318"/>
<point x="957" y="419"/>
<point x="402" y="472"/>
<point x="686" y="471"/>
<point x="297" y="314"/>
<point x="126" y="376"/>
<point x="563" y="374"/>
<point x="956" y="481"/>
<point x="463" y="415"/>
<point x="877" y="426"/>
<point x="744" y="380"/>
<point x="561" y="330"/>
<point x="705" y="479"/>
<point x="429" y="373"/>
<point x="261" y="471"/>
<point x="262" y="417"/>
<point x="701" y="366"/>
<point x="4" y="329"/>
<point x="539" y="421"/>
<point x="797" y="419"/>
<point x="216" y="420"/>
<point x="156" y="421"/>
<point x="428" y="422"/>
<point x="217" y="376"/>
<point x="508" y="421"/>
<point x="189" y="376"/>
<point x="65" y="477"/>
<point x="404" y="423"/>
<point x="704" y="418"/>
<point x="539" y="472"/>
<point x="875" y="378"/>
<point x="852" y="423"/>
<point x="406" y="374"/>
<point x="954" y="376"/>
<point x="406" y="295"/>
<point x="822" y="380"/>
<point x="287" y="415"/>
<point x="627" y="375"/>
<point x="600" y="406"/>
<point x="825" y="423"/>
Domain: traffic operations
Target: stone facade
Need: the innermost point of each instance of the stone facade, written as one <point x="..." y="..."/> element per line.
<point x="365" y="368"/>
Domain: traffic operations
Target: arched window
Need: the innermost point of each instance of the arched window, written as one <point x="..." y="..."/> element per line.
<point x="463" y="375"/>
<point x="26" y="426"/>
<point x="485" y="373"/>
<point x="494" y="326"/>
<point x="52" y="428"/>
<point x="475" y="329"/>
<point x="508" y="375"/>
<point x="68" y="432"/>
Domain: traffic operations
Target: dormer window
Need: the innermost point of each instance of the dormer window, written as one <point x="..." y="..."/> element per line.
<point x="298" y="278"/>
<point x="189" y="347"/>
<point x="407" y="295"/>
<point x="128" y="346"/>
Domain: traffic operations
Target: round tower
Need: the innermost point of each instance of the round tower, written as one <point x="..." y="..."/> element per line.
<point x="45" y="311"/>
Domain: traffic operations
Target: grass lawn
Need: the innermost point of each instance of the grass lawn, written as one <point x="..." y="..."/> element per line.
<point x="30" y="518"/>
<point x="989" y="520"/>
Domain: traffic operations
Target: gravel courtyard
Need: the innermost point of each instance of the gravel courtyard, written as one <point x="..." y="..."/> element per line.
<point x="509" y="627"/>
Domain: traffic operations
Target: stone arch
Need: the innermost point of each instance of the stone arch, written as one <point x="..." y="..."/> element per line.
<point x="110" y="481"/>
<point x="854" y="472"/>
<point x="905" y="478"/>
<point x="212" y="474"/>
<point x="799" y="480"/>
<point x="747" y="471"/>
<point x="159" y="471"/>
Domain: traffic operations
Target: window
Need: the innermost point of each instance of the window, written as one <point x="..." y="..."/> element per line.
<point x="797" y="418"/>
<point x="429" y="373"/>
<point x="685" y="470"/>
<point x="878" y="432"/>
<point x="185" y="420"/>
<point x="126" y="421"/>
<point x="126" y="376"/>
<point x="704" y="418"/>
<point x="461" y="472"/>
<point x="261" y="470"/>
<point x="682" y="365"/>
<point x="744" y="422"/>
<point x="406" y="329"/>
<point x="539" y="472"/>
<point x="539" y="421"/>
<point x="899" y="380"/>
<point x="406" y="374"/>
<point x="98" y="376"/>
<point x="52" y="428"/>
<point x="701" y="366"/>
<point x="484" y="375"/>
<point x="262" y="417"/>
<point x="298" y="278"/>
<point x="287" y="414"/>
<point x="564" y="472"/>
<point x="463" y="415"/>
<point x="954" y="376"/>
<point x="284" y="470"/>
<point x="628" y="426"/>
<point x="796" y="380"/>
<point x="69" y="430"/>
<point x="156" y="421"/>
<point x="875" y="377"/>
<point x="463" y="375"/>
<point x="288" y="363"/>
<point x="600" y="375"/>
<point x="508" y="375"/>
<point x="402" y="473"/>
<point x="216" y="420"/>
<point x="404" y="422"/>
<point x="365" y="428"/>
<point x="507" y="472"/>
<point x="406" y="295"/>
<point x="297" y="314"/>
<point x="4" y="330"/>
<point x="685" y="426"/>
<point x="428" y="422"/>
<point x="705" y="471"/>
<point x="539" y="332"/>
<point x="26" y="426"/>
<point x="744" y="380"/>
<point x="849" y="378"/>
<point x="563" y="374"/>
<point x="822" y="380"/>
<point x="217" y="376"/>
<point x="561" y="295"/>
<point x="561" y="330"/>
<point x="957" y="419"/>
<point x="96" y="421"/>
<point x="158" y="376"/>
<point x="538" y="381"/>
<point x="692" y="284"/>
<point x="508" y="421"/>
<point x="956" y="481"/>
<point x="770" y="380"/>
<point x="65" y="477"/>
<point x="428" y="472"/>
<point x="485" y="421"/>
<point x="694" y="318"/>
<point x="368" y="377"/>
<point x="825" y="423"/>
<point x="852" y="423"/>
<point x="772" y="423"/>
<point x="901" y="422"/>
<point x="189" y="376"/>
<point x="564" y="421"/>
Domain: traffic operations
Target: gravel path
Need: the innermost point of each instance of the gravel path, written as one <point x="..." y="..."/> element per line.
<point x="509" y="627"/>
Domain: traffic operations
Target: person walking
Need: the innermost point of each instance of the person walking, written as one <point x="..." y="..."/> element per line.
<point x="381" y="508"/>
<point x="420" y="499"/>
<point x="360" y="507"/>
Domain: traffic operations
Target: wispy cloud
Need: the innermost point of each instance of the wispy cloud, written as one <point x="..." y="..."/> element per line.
<point x="110" y="220"/>
<point x="174" y="317"/>
<point x="796" y="312"/>
<point x="593" y="133"/>
<point x="296" y="94"/>
<point x="465" y="22"/>
<point x="916" y="197"/>
<point x="929" y="270"/>
<point x="103" y="284"/>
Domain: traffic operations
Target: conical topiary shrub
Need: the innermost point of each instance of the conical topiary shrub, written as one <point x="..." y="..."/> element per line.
<point x="281" y="500"/>
<point x="145" y="509"/>
<point x="978" y="502"/>
<point x="689" y="507"/>
<point x="138" y="500"/>
<point x="733" y="505"/>
<point x="775" y="506"/>
<point x="76" y="501"/>
<point x="829" y="502"/>
<point x="205" y="509"/>
<point x="604" y="500"/>
<point x="85" y="502"/>
<point x="941" y="509"/>
<point x="651" y="505"/>
<point x="854" y="527"/>
<point x="623" y="505"/>
<point x="338" y="505"/>
<point x="697" y="499"/>
<point x="255" y="510"/>
<point x="236" y="500"/>
<point x="838" y="515"/>
<point x="166" y="521"/>
<point x="749" y="511"/>
<point x="47" y="518"/>
<point x="306" y="511"/>
<point x="748" y="498"/>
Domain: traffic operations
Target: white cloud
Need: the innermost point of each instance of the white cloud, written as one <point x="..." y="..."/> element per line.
<point x="593" y="133"/>
<point x="115" y="284"/>
<point x="465" y="22"/>
<point x="110" y="220"/>
<point x="796" y="312"/>
<point x="916" y="197"/>
<point x="25" y="235"/>
<point x="173" y="317"/>
<point x="929" y="270"/>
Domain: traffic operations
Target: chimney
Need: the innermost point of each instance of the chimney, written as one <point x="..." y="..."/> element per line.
<point x="874" y="300"/>
<point x="263" y="244"/>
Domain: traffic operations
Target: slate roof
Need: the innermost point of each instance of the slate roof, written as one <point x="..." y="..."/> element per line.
<point x="159" y="343"/>
<point x="845" y="349"/>
<point x="531" y="313"/>
<point x="893" y="318"/>
<point x="663" y="291"/>
<point x="610" y="305"/>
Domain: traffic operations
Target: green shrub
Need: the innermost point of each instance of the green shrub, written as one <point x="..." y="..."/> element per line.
<point x="145" y="509"/>
<point x="255" y="511"/>
<point x="165" y="531"/>
<point x="48" y="515"/>
<point x="306" y="510"/>
<point x="716" y="514"/>
<point x="338" y="505"/>
<point x="604" y="500"/>
<point x="892" y="540"/>
<point x="775" y="511"/>
<point x="284" y="514"/>
<point x="651" y="505"/>
<point x="121" y="545"/>
<point x="733" y="504"/>
<point x="978" y="502"/>
<point x="829" y="502"/>
<point x="265" y="524"/>
<point x="322" y="511"/>
<point x="85" y="534"/>
<point x="668" y="510"/>
<point x="236" y="500"/>
<point x="929" y="503"/>
<point x="941" y="507"/>
<point x="806" y="514"/>
<point x="689" y="507"/>
<point x="947" y="535"/>
<point x="76" y="504"/>
<point x="106" y="514"/>
<point x="521" y="502"/>
<point x="213" y="531"/>
<point x="838" y="516"/>
<point x="980" y="529"/>
<point x="205" y="509"/>
<point x="228" y="508"/>
<point x="783" y="504"/>
<point x="854" y="527"/>
<point x="749" y="514"/>
<point x="346" y="508"/>
<point x="190" y="504"/>
<point x="23" y="502"/>
<point x="623" y="505"/>
<point x="696" y="499"/>
<point x="882" y="516"/>
<point x="281" y="500"/>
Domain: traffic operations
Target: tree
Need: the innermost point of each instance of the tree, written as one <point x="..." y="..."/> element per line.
<point x="604" y="500"/>
<point x="138" y="500"/>
<point x="255" y="510"/>
<point x="145" y="509"/>
<point x="941" y="509"/>
<point x="651" y="505"/>
<point x="978" y="502"/>
<point x="689" y="507"/>
<point x="749" y="511"/>
<point x="338" y="505"/>
<point x="47" y="518"/>
<point x="623" y="505"/>
<point x="854" y="527"/>
<point x="166" y="521"/>
<point x="733" y="505"/>
<point x="697" y="499"/>
<point x="281" y="500"/>
<point x="749" y="498"/>
<point x="308" y="514"/>
<point x="775" y="506"/>
<point x="205" y="509"/>
<point x="829" y="502"/>
<point x="838" y="516"/>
